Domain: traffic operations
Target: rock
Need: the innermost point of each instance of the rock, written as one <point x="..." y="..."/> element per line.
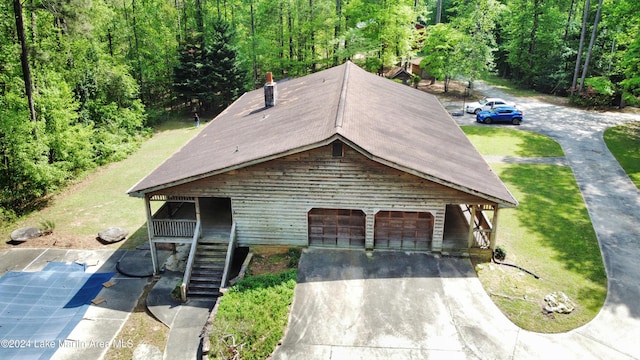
<point x="558" y="302"/>
<point x="25" y="233"/>
<point x="147" y="352"/>
<point x="113" y="234"/>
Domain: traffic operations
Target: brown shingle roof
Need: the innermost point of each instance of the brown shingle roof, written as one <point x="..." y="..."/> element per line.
<point x="391" y="123"/>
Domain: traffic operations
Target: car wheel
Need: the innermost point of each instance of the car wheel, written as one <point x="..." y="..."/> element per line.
<point x="515" y="121"/>
<point x="476" y="111"/>
<point x="488" y="120"/>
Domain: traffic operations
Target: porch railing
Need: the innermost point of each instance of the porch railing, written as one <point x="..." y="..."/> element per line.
<point x="230" y="250"/>
<point x="192" y="255"/>
<point x="482" y="227"/>
<point x="173" y="227"/>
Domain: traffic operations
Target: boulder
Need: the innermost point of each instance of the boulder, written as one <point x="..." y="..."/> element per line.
<point x="113" y="234"/>
<point x="25" y="233"/>
<point x="558" y="302"/>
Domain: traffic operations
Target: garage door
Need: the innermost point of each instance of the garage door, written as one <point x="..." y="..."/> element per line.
<point x="336" y="228"/>
<point x="403" y="230"/>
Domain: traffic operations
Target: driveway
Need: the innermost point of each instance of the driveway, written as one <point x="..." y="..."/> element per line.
<point x="348" y="305"/>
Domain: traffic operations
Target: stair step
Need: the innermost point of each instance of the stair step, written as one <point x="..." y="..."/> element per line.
<point x="211" y="255"/>
<point x="206" y="278"/>
<point x="214" y="241"/>
<point x="197" y="293"/>
<point x="208" y="270"/>
<point x="219" y="248"/>
<point x="211" y="265"/>
<point x="204" y="286"/>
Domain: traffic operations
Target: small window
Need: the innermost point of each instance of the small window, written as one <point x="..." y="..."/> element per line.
<point x="337" y="149"/>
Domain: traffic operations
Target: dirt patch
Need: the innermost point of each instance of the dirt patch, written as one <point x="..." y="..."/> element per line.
<point x="273" y="260"/>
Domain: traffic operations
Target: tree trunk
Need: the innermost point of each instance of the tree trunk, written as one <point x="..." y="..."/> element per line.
<point x="439" y="12"/>
<point x="534" y="32"/>
<point x="24" y="58"/>
<point x="585" y="16"/>
<point x="336" y="33"/>
<point x="590" y="50"/>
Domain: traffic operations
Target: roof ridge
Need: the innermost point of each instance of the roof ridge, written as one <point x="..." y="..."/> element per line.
<point x="343" y="97"/>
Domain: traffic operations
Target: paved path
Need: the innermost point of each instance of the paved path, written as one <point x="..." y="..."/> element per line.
<point x="613" y="203"/>
<point x="353" y="311"/>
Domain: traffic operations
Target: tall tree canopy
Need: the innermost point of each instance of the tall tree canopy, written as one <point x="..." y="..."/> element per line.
<point x="80" y="80"/>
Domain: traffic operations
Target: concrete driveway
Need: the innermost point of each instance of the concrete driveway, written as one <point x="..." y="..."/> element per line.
<point x="415" y="306"/>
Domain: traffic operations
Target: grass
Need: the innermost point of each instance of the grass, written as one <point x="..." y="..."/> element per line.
<point x="252" y="316"/>
<point x="510" y="142"/>
<point x="99" y="200"/>
<point x="549" y="233"/>
<point x="624" y="143"/>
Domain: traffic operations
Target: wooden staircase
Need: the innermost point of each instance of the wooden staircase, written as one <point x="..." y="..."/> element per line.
<point x="208" y="266"/>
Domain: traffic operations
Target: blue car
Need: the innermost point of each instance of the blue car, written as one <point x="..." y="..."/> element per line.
<point x="508" y="114"/>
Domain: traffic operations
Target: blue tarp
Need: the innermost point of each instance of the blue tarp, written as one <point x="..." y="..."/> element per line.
<point x="38" y="310"/>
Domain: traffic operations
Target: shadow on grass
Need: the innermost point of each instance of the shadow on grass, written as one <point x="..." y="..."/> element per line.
<point x="555" y="210"/>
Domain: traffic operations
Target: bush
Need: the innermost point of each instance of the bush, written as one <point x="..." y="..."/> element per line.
<point x="499" y="254"/>
<point x="599" y="93"/>
<point x="252" y="316"/>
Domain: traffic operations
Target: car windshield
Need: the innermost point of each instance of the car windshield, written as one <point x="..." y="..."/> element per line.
<point x="482" y="101"/>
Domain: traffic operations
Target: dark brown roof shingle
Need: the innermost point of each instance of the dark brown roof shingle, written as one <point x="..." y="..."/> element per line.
<point x="391" y="123"/>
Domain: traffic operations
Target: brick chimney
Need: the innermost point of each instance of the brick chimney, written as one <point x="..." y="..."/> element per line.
<point x="270" y="92"/>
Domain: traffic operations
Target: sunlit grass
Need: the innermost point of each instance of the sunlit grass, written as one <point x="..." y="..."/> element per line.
<point x="549" y="233"/>
<point x="511" y="142"/>
<point x="624" y="143"/>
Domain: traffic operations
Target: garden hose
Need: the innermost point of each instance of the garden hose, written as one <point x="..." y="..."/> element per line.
<point x="513" y="265"/>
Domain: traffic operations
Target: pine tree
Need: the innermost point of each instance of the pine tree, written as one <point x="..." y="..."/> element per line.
<point x="223" y="77"/>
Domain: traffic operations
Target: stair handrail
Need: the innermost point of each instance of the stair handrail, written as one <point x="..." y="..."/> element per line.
<point x="230" y="250"/>
<point x="189" y="267"/>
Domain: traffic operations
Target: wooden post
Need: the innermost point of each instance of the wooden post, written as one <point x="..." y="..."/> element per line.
<point x="494" y="228"/>
<point x="472" y="223"/>
<point x="152" y="246"/>
<point x="197" y="206"/>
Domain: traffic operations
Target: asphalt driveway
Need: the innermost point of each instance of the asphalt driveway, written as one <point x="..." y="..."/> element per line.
<point x="388" y="305"/>
<point x="348" y="305"/>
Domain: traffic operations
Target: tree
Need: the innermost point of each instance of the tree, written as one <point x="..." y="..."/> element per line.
<point x="222" y="73"/>
<point x="24" y="58"/>
<point x="442" y="52"/>
<point x="477" y="21"/>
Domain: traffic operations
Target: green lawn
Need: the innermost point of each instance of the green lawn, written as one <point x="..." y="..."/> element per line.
<point x="549" y="233"/>
<point x="100" y="200"/>
<point x="624" y="143"/>
<point x="511" y="142"/>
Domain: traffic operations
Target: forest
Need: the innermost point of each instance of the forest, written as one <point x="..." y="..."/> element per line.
<point x="82" y="82"/>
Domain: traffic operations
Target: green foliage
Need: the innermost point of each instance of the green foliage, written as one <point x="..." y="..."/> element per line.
<point x="599" y="93"/>
<point x="442" y="52"/>
<point x="294" y="257"/>
<point x="47" y="227"/>
<point x="252" y="316"/>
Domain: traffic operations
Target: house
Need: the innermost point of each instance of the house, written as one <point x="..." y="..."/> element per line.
<point x="339" y="158"/>
<point x="399" y="73"/>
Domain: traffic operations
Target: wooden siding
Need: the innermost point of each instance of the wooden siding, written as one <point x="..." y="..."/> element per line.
<point x="270" y="201"/>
